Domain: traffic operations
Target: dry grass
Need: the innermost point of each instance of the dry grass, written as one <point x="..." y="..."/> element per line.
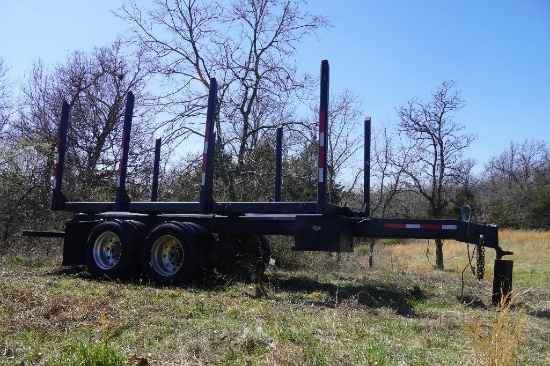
<point x="500" y="344"/>
<point x="525" y="236"/>
<point x="327" y="310"/>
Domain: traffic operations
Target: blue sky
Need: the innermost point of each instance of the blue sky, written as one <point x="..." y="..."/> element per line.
<point x="498" y="52"/>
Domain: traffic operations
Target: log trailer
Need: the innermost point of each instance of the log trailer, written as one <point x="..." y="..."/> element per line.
<point x="170" y="241"/>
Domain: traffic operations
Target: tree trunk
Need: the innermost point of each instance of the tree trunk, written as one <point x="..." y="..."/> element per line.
<point x="439" y="254"/>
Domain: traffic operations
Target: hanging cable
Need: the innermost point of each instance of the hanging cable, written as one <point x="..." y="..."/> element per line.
<point x="478" y="252"/>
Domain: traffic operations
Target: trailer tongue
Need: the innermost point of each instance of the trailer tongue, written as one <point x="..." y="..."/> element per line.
<point x="171" y="240"/>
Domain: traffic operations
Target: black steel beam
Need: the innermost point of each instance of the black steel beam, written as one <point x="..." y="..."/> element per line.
<point x="366" y="167"/>
<point x="122" y="199"/>
<point x="156" y="171"/>
<point x="428" y="229"/>
<point x="207" y="177"/>
<point x="58" y="198"/>
<point x="278" y="164"/>
<point x="323" y="138"/>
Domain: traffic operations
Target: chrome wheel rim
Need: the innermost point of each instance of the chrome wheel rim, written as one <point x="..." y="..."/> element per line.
<point x="167" y="255"/>
<point x="107" y="250"/>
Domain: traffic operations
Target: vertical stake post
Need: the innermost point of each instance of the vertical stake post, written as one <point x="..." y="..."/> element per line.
<point x="156" y="171"/>
<point x="122" y="199"/>
<point x="366" y="171"/>
<point x="58" y="199"/>
<point x="323" y="138"/>
<point x="207" y="177"/>
<point x="278" y="164"/>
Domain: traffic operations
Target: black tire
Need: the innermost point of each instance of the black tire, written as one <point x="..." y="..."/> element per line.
<point x="138" y="233"/>
<point x="109" y="250"/>
<point x="205" y="245"/>
<point x="169" y="255"/>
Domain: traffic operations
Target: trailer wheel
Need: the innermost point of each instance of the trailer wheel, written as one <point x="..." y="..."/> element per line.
<point x="109" y="250"/>
<point x="169" y="253"/>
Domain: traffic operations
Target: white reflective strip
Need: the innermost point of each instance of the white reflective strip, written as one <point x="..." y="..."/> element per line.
<point x="321" y="139"/>
<point x="203" y="179"/>
<point x="320" y="175"/>
<point x="54" y="183"/>
<point x="57" y="158"/>
<point x="205" y="149"/>
<point x="412" y="226"/>
<point x="449" y="227"/>
<point x="118" y="181"/>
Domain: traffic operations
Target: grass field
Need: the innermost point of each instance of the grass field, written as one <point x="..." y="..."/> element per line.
<point x="316" y="310"/>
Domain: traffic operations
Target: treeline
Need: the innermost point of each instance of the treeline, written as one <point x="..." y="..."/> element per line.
<point x="418" y="166"/>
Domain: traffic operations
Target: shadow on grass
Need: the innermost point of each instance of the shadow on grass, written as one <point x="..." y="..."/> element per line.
<point x="204" y="281"/>
<point x="472" y="302"/>
<point x="542" y="314"/>
<point x="401" y="300"/>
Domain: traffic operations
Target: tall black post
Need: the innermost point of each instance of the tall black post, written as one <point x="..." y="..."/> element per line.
<point x="323" y="139"/>
<point x="207" y="176"/>
<point x="278" y="164"/>
<point x="122" y="199"/>
<point x="366" y="172"/>
<point x="58" y="199"/>
<point x="156" y="171"/>
<point x="502" y="281"/>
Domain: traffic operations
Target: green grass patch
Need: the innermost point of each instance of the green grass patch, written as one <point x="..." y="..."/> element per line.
<point x="327" y="310"/>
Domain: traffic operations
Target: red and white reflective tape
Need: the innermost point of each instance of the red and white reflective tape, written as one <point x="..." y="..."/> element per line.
<point x="120" y="156"/>
<point x="392" y="225"/>
<point x="322" y="154"/>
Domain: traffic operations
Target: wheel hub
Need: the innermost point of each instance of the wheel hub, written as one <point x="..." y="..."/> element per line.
<point x="107" y="250"/>
<point x="167" y="255"/>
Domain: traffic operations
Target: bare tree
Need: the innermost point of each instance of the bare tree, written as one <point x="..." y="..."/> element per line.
<point x="345" y="140"/>
<point x="435" y="144"/>
<point x="387" y="167"/>
<point x="5" y="99"/>
<point x="248" y="46"/>
<point x="95" y="85"/>
<point x="515" y="194"/>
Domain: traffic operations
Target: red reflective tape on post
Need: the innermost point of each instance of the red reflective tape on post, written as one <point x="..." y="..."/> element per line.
<point x="431" y="226"/>
<point x="203" y="163"/>
<point x="322" y="122"/>
<point x="394" y="226"/>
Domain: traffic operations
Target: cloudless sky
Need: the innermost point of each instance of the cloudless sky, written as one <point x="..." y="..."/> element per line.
<point x="386" y="51"/>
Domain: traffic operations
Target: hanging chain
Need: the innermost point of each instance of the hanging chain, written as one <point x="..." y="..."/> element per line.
<point x="480" y="258"/>
<point x="371" y="251"/>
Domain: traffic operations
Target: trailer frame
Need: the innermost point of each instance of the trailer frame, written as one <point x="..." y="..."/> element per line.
<point x="315" y="225"/>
